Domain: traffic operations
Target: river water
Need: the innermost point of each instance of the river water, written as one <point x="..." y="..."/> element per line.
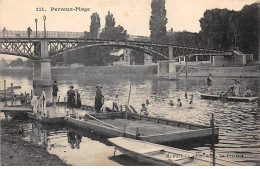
<point x="238" y="121"/>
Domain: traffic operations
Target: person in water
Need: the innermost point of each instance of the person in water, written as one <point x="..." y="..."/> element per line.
<point x="191" y="99"/>
<point x="179" y="103"/>
<point x="98" y="98"/>
<point x="248" y="93"/>
<point x="144" y="110"/>
<point x="147" y="102"/>
<point x="171" y="103"/>
<point x="209" y="82"/>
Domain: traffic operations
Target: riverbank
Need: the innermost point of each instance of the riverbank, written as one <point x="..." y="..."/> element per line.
<point x="141" y="70"/>
<point x="18" y="152"/>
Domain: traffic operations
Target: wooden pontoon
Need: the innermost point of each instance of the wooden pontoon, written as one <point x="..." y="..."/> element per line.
<point x="230" y="98"/>
<point x="146" y="128"/>
<point x="155" y="154"/>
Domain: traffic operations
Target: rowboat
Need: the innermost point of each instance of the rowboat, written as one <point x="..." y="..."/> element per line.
<point x="155" y="154"/>
<point x="230" y="98"/>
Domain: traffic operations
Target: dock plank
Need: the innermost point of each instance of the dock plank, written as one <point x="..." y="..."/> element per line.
<point x="145" y="128"/>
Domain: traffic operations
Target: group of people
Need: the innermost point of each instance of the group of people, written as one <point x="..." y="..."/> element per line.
<point x="39" y="103"/>
<point x="234" y="90"/>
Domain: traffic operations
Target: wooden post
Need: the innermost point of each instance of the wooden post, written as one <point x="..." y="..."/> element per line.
<point x="127" y="109"/>
<point x="5" y="92"/>
<point x="12" y="94"/>
<point x="213" y="139"/>
<point x="31" y="94"/>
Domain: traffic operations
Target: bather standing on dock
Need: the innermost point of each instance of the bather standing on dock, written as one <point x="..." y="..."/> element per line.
<point x="55" y="90"/>
<point x="71" y="98"/>
<point x="209" y="82"/>
<point x="98" y="98"/>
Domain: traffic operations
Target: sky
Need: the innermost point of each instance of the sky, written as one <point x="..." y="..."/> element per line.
<point x="133" y="15"/>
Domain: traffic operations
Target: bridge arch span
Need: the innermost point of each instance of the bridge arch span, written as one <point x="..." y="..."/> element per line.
<point x="135" y="47"/>
<point x="31" y="57"/>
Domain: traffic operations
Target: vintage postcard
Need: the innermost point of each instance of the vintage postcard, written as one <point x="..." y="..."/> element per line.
<point x="129" y="82"/>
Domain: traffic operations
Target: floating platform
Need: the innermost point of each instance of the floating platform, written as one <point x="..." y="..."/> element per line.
<point x="146" y="128"/>
<point x="26" y="112"/>
<point x="155" y="154"/>
<point x="230" y="98"/>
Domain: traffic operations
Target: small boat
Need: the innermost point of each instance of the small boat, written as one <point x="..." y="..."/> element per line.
<point x="155" y="154"/>
<point x="230" y="98"/>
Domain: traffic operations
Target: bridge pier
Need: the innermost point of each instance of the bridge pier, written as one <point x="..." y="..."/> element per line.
<point x="42" y="73"/>
<point x="167" y="69"/>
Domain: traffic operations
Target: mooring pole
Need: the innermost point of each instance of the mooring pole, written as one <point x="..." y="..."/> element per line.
<point x="127" y="109"/>
<point x="12" y="94"/>
<point x="5" y="92"/>
<point x="213" y="139"/>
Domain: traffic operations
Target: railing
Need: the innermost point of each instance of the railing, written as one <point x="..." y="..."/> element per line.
<point x="57" y="34"/>
<point x="40" y="34"/>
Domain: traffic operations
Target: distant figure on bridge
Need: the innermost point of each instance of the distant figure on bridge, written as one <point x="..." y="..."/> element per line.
<point x="55" y="90"/>
<point x="4" y="32"/>
<point x="209" y="82"/>
<point x="29" y="31"/>
<point x="99" y="98"/>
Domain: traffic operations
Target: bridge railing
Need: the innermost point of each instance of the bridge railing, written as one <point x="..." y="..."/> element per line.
<point x="40" y="34"/>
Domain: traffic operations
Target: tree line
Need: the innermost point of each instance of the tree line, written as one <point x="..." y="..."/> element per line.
<point x="221" y="29"/>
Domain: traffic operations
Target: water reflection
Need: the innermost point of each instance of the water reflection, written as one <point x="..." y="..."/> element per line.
<point x="74" y="139"/>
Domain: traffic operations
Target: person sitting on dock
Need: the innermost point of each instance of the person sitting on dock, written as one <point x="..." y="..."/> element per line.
<point x="171" y="103"/>
<point x="248" y="93"/>
<point x="28" y="99"/>
<point x="23" y="98"/>
<point x="77" y="99"/>
<point x="108" y="105"/>
<point x="71" y="99"/>
<point x="144" y="110"/>
<point x="115" y="103"/>
<point x="179" y="103"/>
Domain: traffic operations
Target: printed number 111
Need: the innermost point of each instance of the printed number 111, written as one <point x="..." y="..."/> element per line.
<point x="40" y="9"/>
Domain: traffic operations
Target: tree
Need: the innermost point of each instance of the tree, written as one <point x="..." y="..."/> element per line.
<point x="110" y="21"/>
<point x="249" y="29"/>
<point x="3" y="63"/>
<point x="158" y="21"/>
<point x="95" y="25"/>
<point x="214" y="27"/>
<point x="17" y="62"/>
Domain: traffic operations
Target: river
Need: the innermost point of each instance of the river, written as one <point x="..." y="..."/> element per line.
<point x="238" y="122"/>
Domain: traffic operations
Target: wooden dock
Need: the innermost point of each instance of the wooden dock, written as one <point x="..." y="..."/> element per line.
<point x="151" y="129"/>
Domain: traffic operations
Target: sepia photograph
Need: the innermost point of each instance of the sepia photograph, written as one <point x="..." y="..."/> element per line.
<point x="130" y="83"/>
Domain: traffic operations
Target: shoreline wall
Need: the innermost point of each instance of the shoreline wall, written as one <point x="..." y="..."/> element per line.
<point x="141" y="70"/>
